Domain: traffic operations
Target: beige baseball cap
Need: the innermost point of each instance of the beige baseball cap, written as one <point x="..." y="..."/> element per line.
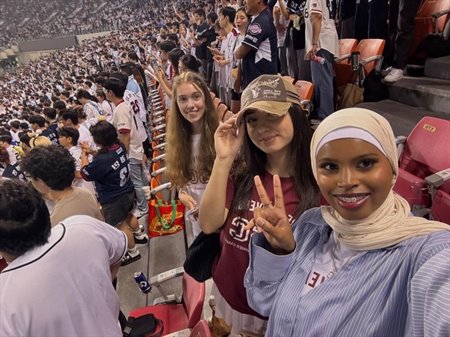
<point x="273" y="94"/>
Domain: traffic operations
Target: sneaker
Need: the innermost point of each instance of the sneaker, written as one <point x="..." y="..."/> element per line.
<point x="394" y="75"/>
<point x="128" y="258"/>
<point x="140" y="239"/>
<point x="386" y="71"/>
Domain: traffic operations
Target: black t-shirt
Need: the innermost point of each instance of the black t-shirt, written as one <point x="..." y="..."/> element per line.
<point x="261" y="37"/>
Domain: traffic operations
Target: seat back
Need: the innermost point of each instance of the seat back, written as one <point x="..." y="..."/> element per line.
<point x="440" y="210"/>
<point x="201" y="329"/>
<point x="419" y="160"/>
<point x="427" y="150"/>
<point x="347" y="46"/>
<point x="305" y="90"/>
<point x="368" y="48"/>
<point x="193" y="297"/>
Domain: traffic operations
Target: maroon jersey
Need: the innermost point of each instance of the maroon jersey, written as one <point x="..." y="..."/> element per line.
<point x="229" y="269"/>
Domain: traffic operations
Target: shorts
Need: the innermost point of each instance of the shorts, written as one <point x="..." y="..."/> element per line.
<point x="117" y="210"/>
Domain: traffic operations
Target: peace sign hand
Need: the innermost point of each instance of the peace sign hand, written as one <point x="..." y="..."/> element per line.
<point x="272" y="220"/>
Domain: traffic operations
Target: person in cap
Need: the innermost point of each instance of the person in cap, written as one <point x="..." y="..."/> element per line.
<point x="362" y="266"/>
<point x="269" y="136"/>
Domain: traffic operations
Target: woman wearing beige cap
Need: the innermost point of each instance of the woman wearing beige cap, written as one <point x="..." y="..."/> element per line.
<point x="270" y="136"/>
<point x="361" y="266"/>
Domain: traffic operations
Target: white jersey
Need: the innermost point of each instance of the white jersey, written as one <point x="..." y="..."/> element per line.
<point x="138" y="108"/>
<point x="64" y="288"/>
<point x="328" y="38"/>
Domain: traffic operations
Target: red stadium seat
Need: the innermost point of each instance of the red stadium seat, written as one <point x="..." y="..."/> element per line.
<point x="179" y="316"/>
<point x="201" y="329"/>
<point x="425" y="152"/>
<point x="440" y="209"/>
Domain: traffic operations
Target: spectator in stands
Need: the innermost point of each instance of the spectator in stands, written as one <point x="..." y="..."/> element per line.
<point x="270" y="136"/>
<point x="15" y="129"/>
<point x="68" y="138"/>
<point x="190" y="142"/>
<point x="363" y="258"/>
<point x="106" y="105"/>
<point x="110" y="172"/>
<point x="293" y="11"/>
<point x="199" y="40"/>
<point x="258" y="50"/>
<point x="8" y="170"/>
<point x="69" y="119"/>
<point x="79" y="256"/>
<point x="6" y="143"/>
<point x="131" y="136"/>
<point x="52" y="170"/>
<point x="241" y="22"/>
<point x="407" y="10"/>
<point x="189" y="63"/>
<point x="39" y="127"/>
<point x="225" y="56"/>
<point x="92" y="110"/>
<point x="322" y="46"/>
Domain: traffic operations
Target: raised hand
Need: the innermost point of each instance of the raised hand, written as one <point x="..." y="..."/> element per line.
<point x="272" y="219"/>
<point x="228" y="139"/>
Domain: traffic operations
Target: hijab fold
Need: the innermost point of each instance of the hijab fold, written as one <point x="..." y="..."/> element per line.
<point x="391" y="223"/>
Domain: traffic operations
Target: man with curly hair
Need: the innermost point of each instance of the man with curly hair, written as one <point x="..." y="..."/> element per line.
<point x="52" y="170"/>
<point x="61" y="275"/>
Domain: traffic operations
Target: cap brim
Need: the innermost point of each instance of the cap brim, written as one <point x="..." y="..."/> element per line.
<point x="271" y="107"/>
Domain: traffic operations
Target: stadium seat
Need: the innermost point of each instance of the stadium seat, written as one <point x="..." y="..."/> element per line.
<point x="418" y="161"/>
<point x="370" y="55"/>
<point x="346" y="47"/>
<point x="440" y="209"/>
<point x="201" y="329"/>
<point x="177" y="316"/>
<point x="431" y="18"/>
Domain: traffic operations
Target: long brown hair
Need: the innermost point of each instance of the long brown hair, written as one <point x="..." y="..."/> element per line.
<point x="179" y="161"/>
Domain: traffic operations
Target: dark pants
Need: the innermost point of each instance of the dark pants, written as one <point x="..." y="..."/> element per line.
<point x="378" y="14"/>
<point x="407" y="10"/>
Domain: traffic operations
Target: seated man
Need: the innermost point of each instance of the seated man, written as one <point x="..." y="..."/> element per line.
<point x="52" y="171"/>
<point x="58" y="280"/>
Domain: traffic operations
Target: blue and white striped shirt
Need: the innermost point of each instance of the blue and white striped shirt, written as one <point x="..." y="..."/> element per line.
<point x="403" y="290"/>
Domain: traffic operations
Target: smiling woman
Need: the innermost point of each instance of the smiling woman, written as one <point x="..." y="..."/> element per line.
<point x="362" y="262"/>
<point x="270" y="135"/>
<point x="190" y="141"/>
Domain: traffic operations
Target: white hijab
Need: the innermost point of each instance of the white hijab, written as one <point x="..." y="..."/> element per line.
<point x="390" y="223"/>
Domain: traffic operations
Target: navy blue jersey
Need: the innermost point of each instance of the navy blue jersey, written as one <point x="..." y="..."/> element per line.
<point x="13" y="172"/>
<point x="51" y="133"/>
<point x="261" y="37"/>
<point x="110" y="171"/>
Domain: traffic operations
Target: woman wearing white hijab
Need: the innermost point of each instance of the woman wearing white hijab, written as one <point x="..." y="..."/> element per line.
<point x="361" y="266"/>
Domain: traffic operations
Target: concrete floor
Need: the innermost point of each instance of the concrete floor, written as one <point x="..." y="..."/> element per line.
<point x="160" y="254"/>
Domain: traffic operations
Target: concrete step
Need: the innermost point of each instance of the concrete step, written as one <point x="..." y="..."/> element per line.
<point x="403" y="118"/>
<point x="430" y="93"/>
<point x="438" y="68"/>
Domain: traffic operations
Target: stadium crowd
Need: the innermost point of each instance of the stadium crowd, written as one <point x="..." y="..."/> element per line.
<point x="76" y="124"/>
